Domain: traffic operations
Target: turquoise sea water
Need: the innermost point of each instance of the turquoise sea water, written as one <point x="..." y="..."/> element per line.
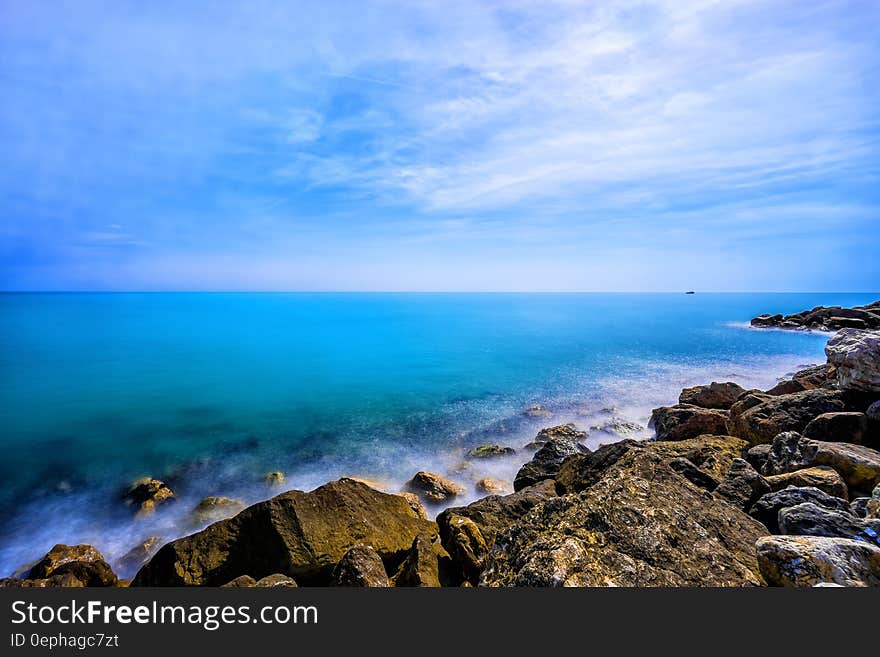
<point x="211" y="391"/>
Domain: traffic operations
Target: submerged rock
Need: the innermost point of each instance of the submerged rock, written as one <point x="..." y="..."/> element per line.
<point x="818" y="376"/>
<point x="360" y="566"/>
<point x="212" y="509"/>
<point x="856" y="354"/>
<point x="767" y="508"/>
<point x="546" y="462"/>
<point x="492" y="486"/>
<point x="146" y="494"/>
<point x="139" y="554"/>
<point x="810" y="560"/>
<point x="490" y="451"/>
<point x="684" y="421"/>
<point x="714" y="395"/>
<point x="274" y="479"/>
<point x="537" y="411"/>
<point x="562" y="431"/>
<point x="302" y="535"/>
<point x="432" y="488"/>
<point x="640" y="524"/>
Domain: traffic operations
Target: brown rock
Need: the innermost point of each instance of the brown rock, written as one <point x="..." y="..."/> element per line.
<point x="824" y="478"/>
<point x="146" y="494"/>
<point x="80" y="562"/>
<point x="683" y="421"/>
<point x="764" y="421"/>
<point x="432" y="488"/>
<point x="714" y="395"/>
<point x="360" y="566"/>
<point x="493" y="486"/>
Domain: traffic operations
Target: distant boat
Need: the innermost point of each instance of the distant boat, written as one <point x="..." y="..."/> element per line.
<point x="690" y="292"/>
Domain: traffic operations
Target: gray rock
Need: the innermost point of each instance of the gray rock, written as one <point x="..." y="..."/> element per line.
<point x="742" y="486"/>
<point x="763" y="421"/>
<point x="838" y="428"/>
<point x="758" y="455"/>
<point x="856" y="354"/>
<point x="810" y="560"/>
<point x="546" y="462"/>
<point x="767" y="508"/>
<point x="714" y="395"/>
<point x="810" y="519"/>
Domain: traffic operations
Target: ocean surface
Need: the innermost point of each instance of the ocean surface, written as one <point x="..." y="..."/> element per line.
<point x="209" y="392"/>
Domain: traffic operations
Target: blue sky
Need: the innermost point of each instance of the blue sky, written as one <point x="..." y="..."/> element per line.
<point x="508" y="145"/>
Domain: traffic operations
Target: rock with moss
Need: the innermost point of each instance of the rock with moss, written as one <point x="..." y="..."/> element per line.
<point x="212" y="509"/>
<point x="361" y="566"/>
<point x="490" y="452"/>
<point x="145" y="495"/>
<point x="742" y="486"/>
<point x="301" y="535"/>
<point x="139" y="554"/>
<point x="426" y="565"/>
<point x="268" y="582"/>
<point x="71" y="566"/>
<point x="432" y="488"/>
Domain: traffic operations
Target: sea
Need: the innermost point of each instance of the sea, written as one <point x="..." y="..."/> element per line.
<point x="211" y="391"/>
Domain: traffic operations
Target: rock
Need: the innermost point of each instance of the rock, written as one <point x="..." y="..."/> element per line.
<point x="742" y="486"/>
<point x="714" y="395"/>
<point x="415" y="504"/>
<point x="422" y="566"/>
<point x="274" y="479"/>
<point x="817" y="376"/>
<point x="139" y="554"/>
<point x="810" y="519"/>
<point x="64" y="563"/>
<point x="360" y="566"/>
<point x="493" y="486"/>
<point x="212" y="509"/>
<point x="432" y="488"/>
<point x="144" y="495"/>
<point x="693" y="474"/>
<point x="713" y="455"/>
<point x="764" y="421"/>
<point x="872" y="506"/>
<point x="269" y="582"/>
<point x="562" y="431"/>
<point x="640" y="524"/>
<point x="758" y="455"/>
<point x="856" y="354"/>
<point x="466" y="546"/>
<point x="859" y="507"/>
<point x="372" y="482"/>
<point x="490" y="451"/>
<point x="537" y="411"/>
<point x="546" y="462"/>
<point x="496" y="513"/>
<point x="683" y="421"/>
<point x="821" y="477"/>
<point x="809" y="560"/>
<point x="838" y="427"/>
<point x="302" y="535"/>
<point x="766" y="320"/>
<point x="619" y="427"/>
<point x="858" y="465"/>
<point x="767" y="508"/>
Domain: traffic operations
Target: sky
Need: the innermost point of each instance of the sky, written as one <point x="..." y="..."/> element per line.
<point x="440" y="146"/>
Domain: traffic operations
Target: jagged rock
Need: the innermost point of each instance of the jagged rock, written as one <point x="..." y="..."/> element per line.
<point x="562" y="431"/>
<point x="838" y="428"/>
<point x="269" y="582"/>
<point x="858" y="465"/>
<point x="742" y="486"/>
<point x="856" y="354"/>
<point x="808" y="519"/>
<point x="693" y="474"/>
<point x="872" y="506"/>
<point x="360" y="566"/>
<point x="817" y="376"/>
<point x="758" y="455"/>
<point x="490" y="451"/>
<point x="764" y="421"/>
<point x="618" y="426"/>
<point x="683" y="421"/>
<point x="640" y="524"/>
<point x="492" y="486"/>
<point x="821" y="477"/>
<point x="809" y="560"/>
<point x="432" y="488"/>
<point x="415" y="504"/>
<point x="424" y="564"/>
<point x="465" y="544"/>
<point x="302" y="535"/>
<point x="767" y="508"/>
<point x="766" y="320"/>
<point x="546" y="462"/>
<point x="139" y="554"/>
<point x="212" y="509"/>
<point x="145" y="494"/>
<point x="497" y="512"/>
<point x="714" y="395"/>
<point x="72" y="565"/>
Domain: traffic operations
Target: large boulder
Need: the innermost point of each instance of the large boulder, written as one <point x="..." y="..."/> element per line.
<point x="491" y="486"/>
<point x="810" y="519"/>
<point x="72" y="566"/>
<point x="546" y="462"/>
<point x="856" y="354"/>
<point x="565" y="431"/>
<point x="139" y="554"/>
<point x="684" y="421"/>
<point x="714" y="395"/>
<point x="858" y="465"/>
<point x="361" y="566"/>
<point x="810" y="560"/>
<point x="822" y="477"/>
<point x="425" y="565"/>
<point x="432" y="488"/>
<point x="763" y="421"/>
<point x="766" y="509"/>
<point x="817" y="376"/>
<point x="838" y="428"/>
<point x="641" y="524"/>
<point x="302" y="535"/>
<point x="465" y="544"/>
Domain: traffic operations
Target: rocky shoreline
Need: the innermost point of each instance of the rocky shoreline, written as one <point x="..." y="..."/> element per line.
<point x="777" y="487"/>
